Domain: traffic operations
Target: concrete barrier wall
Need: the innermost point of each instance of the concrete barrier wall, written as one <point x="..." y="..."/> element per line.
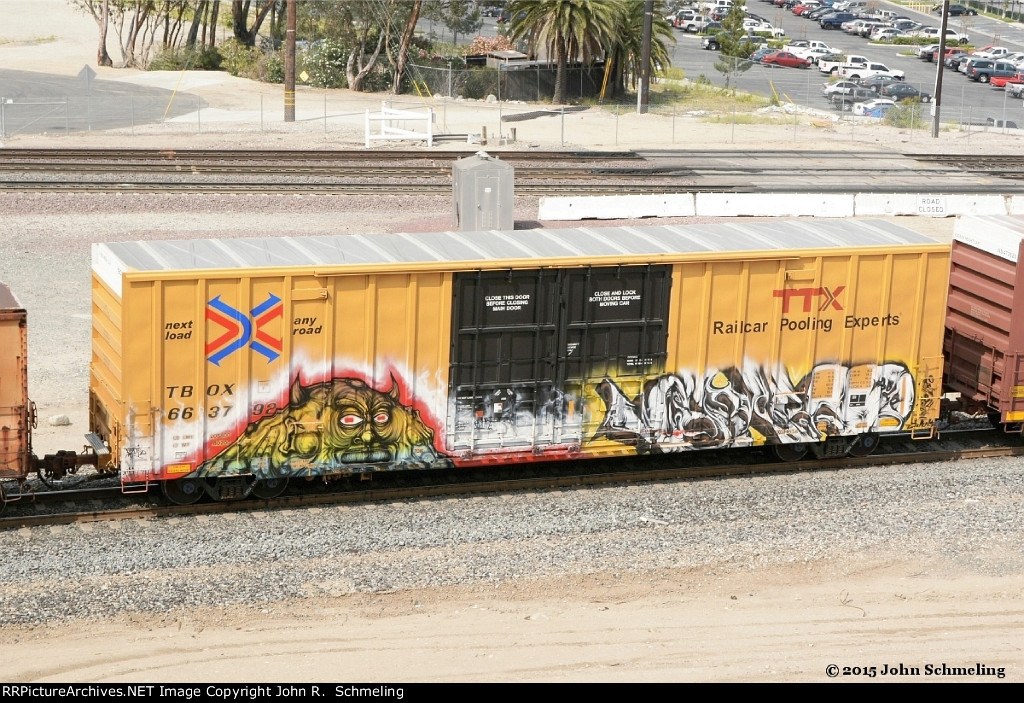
<point x="776" y="205"/>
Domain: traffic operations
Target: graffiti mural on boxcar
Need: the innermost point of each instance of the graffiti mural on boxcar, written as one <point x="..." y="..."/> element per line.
<point x="334" y="426"/>
<point x="739" y="407"/>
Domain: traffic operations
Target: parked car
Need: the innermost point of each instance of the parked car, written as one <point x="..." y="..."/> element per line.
<point x="845" y="101"/>
<point x="956" y="61"/>
<point x="925" y="52"/>
<point x="905" y="25"/>
<point x="955" y="10"/>
<point x="885" y="34"/>
<point x="785" y="58"/>
<point x="984" y="70"/>
<point x="856" y="72"/>
<point x="804" y="8"/>
<point x="835" y="20"/>
<point x="1015" y="90"/>
<point x="950" y="51"/>
<point x="695" y="24"/>
<point x="1003" y="81"/>
<point x="837" y="88"/>
<point x="873" y="108"/>
<point x="901" y="91"/>
<point x="991" y="52"/>
<point x="876" y="83"/>
<point x="682" y="16"/>
<point x="952" y="36"/>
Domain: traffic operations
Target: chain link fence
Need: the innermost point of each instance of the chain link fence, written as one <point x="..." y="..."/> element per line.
<point x="340" y="117"/>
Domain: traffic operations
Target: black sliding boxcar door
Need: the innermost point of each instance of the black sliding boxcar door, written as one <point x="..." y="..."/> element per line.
<point x="504" y="333"/>
<point x="529" y="348"/>
<point x="616" y="330"/>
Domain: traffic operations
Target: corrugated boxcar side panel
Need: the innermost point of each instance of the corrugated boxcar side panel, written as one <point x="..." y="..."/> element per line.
<point x="984" y="343"/>
<point x="105" y="412"/>
<point x="794" y="350"/>
<point x="14" y="416"/>
<point x="284" y="373"/>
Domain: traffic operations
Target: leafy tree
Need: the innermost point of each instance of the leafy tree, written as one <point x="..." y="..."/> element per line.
<point x="403" y="47"/>
<point x="100" y="11"/>
<point x="460" y="16"/>
<point x="565" y="29"/>
<point x="243" y="10"/>
<point x="733" y="44"/>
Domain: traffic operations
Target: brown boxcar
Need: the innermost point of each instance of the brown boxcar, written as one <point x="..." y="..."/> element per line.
<point x="984" y="345"/>
<point x="16" y="411"/>
<point x="232" y="365"/>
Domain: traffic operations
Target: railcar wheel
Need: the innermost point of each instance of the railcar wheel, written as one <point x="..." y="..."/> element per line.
<point x="791" y="452"/>
<point x="183" y="491"/>
<point x="270" y="488"/>
<point x="864" y="445"/>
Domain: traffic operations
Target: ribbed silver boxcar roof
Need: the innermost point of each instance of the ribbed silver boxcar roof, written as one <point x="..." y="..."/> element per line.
<point x="1000" y="235"/>
<point x="540" y="244"/>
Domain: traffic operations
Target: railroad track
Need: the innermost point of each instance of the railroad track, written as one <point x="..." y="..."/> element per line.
<point x="357" y="172"/>
<point x="466" y="483"/>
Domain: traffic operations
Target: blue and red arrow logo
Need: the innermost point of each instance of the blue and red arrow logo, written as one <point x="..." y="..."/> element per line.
<point x="239" y="327"/>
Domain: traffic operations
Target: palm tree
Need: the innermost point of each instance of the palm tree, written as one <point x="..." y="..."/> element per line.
<point x="567" y="29"/>
<point x="627" y="51"/>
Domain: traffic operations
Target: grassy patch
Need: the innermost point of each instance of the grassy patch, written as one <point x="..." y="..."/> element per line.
<point x="34" y="40"/>
<point x="744" y="118"/>
<point x="702" y="95"/>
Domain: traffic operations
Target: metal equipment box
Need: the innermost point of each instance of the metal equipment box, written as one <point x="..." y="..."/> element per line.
<point x="15" y="408"/>
<point x="984" y="345"/>
<point x="483" y="189"/>
<point x="334" y="355"/>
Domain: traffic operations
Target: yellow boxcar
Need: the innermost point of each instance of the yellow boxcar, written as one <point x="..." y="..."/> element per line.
<point x="15" y="408"/>
<point x="226" y="361"/>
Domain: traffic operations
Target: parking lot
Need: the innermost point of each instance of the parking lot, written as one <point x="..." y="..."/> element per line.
<point x="962" y="100"/>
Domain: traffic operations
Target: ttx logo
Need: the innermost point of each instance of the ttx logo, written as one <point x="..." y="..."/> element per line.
<point x="241" y="329"/>
<point x="828" y="298"/>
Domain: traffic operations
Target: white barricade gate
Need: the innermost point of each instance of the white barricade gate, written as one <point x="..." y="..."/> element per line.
<point x="388" y="116"/>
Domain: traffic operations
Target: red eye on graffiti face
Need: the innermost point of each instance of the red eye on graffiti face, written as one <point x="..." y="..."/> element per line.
<point x="380" y="417"/>
<point x="351" y="420"/>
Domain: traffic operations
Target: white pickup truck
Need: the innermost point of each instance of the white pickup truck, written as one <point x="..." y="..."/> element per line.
<point x="752" y="26"/>
<point x="804" y="48"/>
<point x="857" y="71"/>
<point x="848" y="60"/>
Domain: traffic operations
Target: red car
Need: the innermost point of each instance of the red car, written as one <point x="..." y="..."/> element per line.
<point x="784" y="58"/>
<point x="1001" y="81"/>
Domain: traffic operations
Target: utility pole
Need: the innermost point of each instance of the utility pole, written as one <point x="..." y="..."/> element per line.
<point x="940" y="59"/>
<point x="289" y="63"/>
<point x="643" y="98"/>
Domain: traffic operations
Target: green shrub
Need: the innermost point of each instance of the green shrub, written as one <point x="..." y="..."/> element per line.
<point x="325" y="63"/>
<point x="275" y="67"/>
<point x="238" y="59"/>
<point x="204" y="59"/>
<point x="907" y="114"/>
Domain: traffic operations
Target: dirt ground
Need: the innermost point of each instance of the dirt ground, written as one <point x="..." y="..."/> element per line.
<point x="869" y="613"/>
<point x="782" y="624"/>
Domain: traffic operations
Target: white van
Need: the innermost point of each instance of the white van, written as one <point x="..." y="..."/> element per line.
<point x="712" y="5"/>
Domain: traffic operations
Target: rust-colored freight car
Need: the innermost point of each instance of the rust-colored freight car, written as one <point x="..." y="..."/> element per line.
<point x="984" y="343"/>
<point x="16" y="411"/>
<point x="230" y="366"/>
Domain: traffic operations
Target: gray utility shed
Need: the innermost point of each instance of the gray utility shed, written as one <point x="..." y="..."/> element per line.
<point x="483" y="190"/>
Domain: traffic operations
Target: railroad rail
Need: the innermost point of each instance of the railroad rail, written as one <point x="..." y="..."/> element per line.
<point x="355" y="172"/>
<point x="417" y="486"/>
